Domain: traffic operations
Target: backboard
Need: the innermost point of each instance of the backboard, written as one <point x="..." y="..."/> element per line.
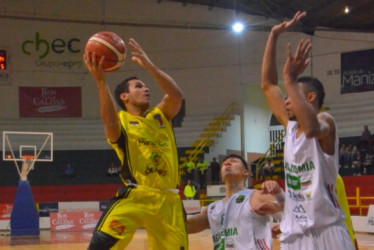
<point x="16" y="145"/>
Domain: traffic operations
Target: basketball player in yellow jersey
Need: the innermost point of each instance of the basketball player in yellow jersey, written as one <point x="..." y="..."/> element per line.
<point x="144" y="142"/>
<point x="342" y="198"/>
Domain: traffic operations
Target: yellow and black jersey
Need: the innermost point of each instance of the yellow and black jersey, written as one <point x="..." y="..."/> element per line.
<point x="147" y="150"/>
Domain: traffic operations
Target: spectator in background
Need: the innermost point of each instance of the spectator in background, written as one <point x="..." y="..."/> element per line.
<point x="365" y="140"/>
<point x="214" y="166"/>
<point x="69" y="171"/>
<point x="351" y="151"/>
<point x="189" y="190"/>
<point x="342" y="155"/>
<point x="368" y="163"/>
<point x="202" y="167"/>
<point x="365" y="136"/>
<point x="357" y="163"/>
<point x="190" y="166"/>
<point x="268" y="168"/>
<point x="112" y="170"/>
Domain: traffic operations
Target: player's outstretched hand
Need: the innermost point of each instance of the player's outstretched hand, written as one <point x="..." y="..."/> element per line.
<point x="284" y="26"/>
<point x="138" y="55"/>
<point x="94" y="67"/>
<point x="270" y="187"/>
<point x="296" y="64"/>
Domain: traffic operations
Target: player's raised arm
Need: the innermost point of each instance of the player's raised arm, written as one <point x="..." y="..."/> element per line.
<point x="307" y="101"/>
<point x="172" y="100"/>
<point x="108" y="110"/>
<point x="269" y="82"/>
<point x="197" y="222"/>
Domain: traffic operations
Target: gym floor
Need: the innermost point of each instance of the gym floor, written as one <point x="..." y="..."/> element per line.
<point x="80" y="240"/>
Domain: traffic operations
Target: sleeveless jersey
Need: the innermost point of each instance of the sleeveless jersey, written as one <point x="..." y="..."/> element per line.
<point x="234" y="226"/>
<point x="310" y="174"/>
<point x="147" y="150"/>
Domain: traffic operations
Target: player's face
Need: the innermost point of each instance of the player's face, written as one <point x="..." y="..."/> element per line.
<point x="138" y="93"/>
<point x="233" y="168"/>
<point x="288" y="101"/>
<point x="290" y="114"/>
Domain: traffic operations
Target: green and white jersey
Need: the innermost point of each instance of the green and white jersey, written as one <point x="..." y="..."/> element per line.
<point x="310" y="177"/>
<point x="234" y="226"/>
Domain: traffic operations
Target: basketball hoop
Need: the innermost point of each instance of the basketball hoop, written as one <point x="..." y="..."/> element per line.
<point x="28" y="158"/>
<point x="27" y="165"/>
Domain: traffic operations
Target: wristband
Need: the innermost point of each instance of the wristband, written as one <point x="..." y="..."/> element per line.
<point x="280" y="196"/>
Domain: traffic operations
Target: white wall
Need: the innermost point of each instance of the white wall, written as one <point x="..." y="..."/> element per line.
<point x="201" y="60"/>
<point x="325" y="56"/>
<point x="213" y="66"/>
<point x="230" y="140"/>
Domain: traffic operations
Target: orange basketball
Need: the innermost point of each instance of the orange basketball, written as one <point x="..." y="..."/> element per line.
<point x="109" y="45"/>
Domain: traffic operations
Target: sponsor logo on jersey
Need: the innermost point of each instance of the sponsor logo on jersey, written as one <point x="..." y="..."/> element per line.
<point x="159" y="119"/>
<point x="305" y="167"/>
<point x="293" y="182"/>
<point x="226" y="232"/>
<point x="296" y="196"/>
<point x="134" y="123"/>
<point x="299" y="209"/>
<point x="116" y="226"/>
<point x="240" y="199"/>
<point x="301" y="219"/>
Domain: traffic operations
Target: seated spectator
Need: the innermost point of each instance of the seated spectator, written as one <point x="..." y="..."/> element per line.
<point x="351" y="151"/>
<point x="368" y="163"/>
<point x="112" y="170"/>
<point x="268" y="168"/>
<point x="357" y="163"/>
<point x="69" y="171"/>
<point x="343" y="156"/>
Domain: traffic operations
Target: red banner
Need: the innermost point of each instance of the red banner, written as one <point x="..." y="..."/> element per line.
<point x="50" y="102"/>
<point x="74" y="221"/>
<point x="5" y="211"/>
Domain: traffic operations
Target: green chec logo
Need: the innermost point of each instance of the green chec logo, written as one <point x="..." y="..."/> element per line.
<point x="293" y="182"/>
<point x="42" y="47"/>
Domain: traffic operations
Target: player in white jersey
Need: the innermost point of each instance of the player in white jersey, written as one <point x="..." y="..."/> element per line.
<point x="312" y="218"/>
<point x="240" y="220"/>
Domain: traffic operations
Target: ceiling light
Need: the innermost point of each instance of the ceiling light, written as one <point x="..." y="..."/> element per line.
<point x="238" y="27"/>
<point x="346" y="10"/>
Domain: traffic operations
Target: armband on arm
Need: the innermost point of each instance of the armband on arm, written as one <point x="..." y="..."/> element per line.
<point x="280" y="197"/>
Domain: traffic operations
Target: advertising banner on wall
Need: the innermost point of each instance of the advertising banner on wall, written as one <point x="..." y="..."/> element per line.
<point x="47" y="207"/>
<point x="50" y="102"/>
<point x="5" y="211"/>
<point x="74" y="221"/>
<point x="357" y="71"/>
<point x="192" y="206"/>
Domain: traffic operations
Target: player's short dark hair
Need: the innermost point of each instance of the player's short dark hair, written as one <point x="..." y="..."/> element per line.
<point x="245" y="164"/>
<point x="122" y="87"/>
<point x="315" y="85"/>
